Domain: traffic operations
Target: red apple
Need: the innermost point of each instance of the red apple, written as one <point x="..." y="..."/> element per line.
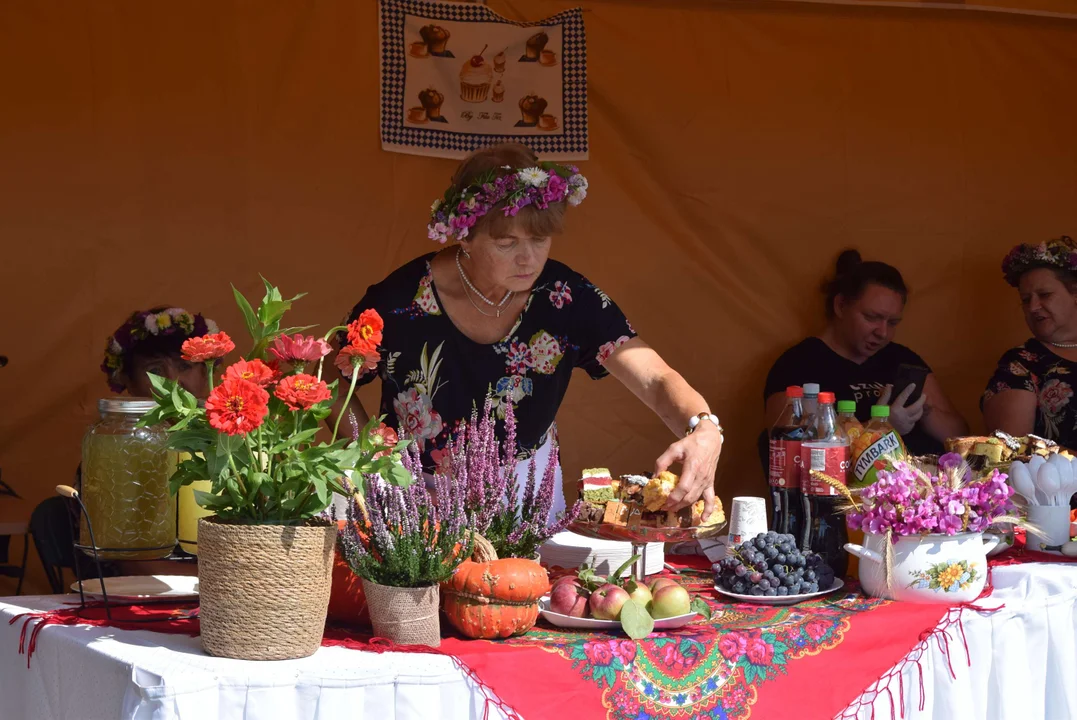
<point x="641" y="594"/>
<point x="661" y="583"/>
<point x="670" y="601"/>
<point x="569" y="598"/>
<point x="566" y="579"/>
<point x="607" y="601"/>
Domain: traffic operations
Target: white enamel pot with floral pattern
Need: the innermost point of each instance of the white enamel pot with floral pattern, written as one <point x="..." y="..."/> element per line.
<point x="927" y="568"/>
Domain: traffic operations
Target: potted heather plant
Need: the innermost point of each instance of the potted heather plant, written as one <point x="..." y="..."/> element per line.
<point x="924" y="532"/>
<point x="265" y="557"/>
<point x="403" y="542"/>
<point x="495" y="593"/>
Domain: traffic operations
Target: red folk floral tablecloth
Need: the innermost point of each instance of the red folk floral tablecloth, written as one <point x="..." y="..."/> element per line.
<point x="748" y="661"/>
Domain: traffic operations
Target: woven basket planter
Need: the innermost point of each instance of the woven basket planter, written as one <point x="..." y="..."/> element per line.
<point x="407" y="616"/>
<point x="263" y="589"/>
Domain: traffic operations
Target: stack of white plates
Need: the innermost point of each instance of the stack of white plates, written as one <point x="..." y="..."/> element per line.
<point x="569" y="550"/>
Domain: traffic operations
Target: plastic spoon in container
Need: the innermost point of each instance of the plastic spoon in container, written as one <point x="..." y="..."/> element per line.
<point x="1049" y="483"/>
<point x="1034" y="464"/>
<point x="1022" y="482"/>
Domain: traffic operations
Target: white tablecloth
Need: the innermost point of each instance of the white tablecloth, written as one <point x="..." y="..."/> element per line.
<point x="1023" y="656"/>
<point x="91" y="673"/>
<point x="1024" y="667"/>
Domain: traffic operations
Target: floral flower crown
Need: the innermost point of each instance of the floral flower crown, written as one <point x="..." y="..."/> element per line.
<point x="1060" y="253"/>
<point x="170" y="326"/>
<point x="455" y="214"/>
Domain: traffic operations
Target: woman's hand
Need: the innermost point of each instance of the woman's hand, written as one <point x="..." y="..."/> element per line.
<point x="904" y="417"/>
<point x="698" y="457"/>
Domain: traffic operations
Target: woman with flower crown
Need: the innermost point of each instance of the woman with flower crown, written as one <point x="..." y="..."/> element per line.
<point x="1032" y="388"/>
<point x="494" y="313"/>
<point x="150" y="341"/>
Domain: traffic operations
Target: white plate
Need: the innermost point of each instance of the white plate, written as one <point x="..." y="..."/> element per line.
<point x="778" y="599"/>
<point x="575" y="623"/>
<point x="141" y="587"/>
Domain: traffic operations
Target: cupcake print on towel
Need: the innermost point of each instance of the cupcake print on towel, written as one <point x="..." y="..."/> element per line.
<point x="475" y="79"/>
<point x="434" y="41"/>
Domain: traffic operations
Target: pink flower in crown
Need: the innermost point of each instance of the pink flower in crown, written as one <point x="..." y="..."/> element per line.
<point x="733" y="645"/>
<point x="606" y="350"/>
<point x="561" y="295"/>
<point x="519" y="358"/>
<point x="1055" y="396"/>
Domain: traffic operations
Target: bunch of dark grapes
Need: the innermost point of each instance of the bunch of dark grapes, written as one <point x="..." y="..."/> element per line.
<point x="771" y="565"/>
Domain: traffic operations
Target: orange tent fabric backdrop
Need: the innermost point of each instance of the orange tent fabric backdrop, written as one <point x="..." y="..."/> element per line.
<point x="154" y="152"/>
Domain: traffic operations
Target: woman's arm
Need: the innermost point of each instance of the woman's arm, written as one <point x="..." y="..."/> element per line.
<point x="665" y="392"/>
<point x="1011" y="411"/>
<point x="941" y="420"/>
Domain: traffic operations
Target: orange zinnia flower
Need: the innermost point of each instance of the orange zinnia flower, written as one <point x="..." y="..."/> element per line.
<point x="365" y="333"/>
<point x="254" y="370"/>
<point x="207" y="347"/>
<point x="350" y="356"/>
<point x="237" y="406"/>
<point x="302" y="391"/>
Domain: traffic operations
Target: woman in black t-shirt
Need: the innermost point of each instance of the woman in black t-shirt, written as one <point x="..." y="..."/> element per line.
<point x="494" y="314"/>
<point x="855" y="358"/>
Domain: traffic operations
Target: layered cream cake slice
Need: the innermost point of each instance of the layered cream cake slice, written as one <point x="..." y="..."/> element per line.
<point x="596" y="486"/>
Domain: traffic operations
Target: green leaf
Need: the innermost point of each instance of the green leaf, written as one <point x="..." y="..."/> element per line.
<point x="294" y="330"/>
<point x="635" y="620"/>
<point x="700" y="606"/>
<point x="293" y="441"/>
<point x="228" y="444"/>
<point x="211" y="501"/>
<point x="248" y="312"/>
<point x="615" y="578"/>
<point x="399" y="476"/>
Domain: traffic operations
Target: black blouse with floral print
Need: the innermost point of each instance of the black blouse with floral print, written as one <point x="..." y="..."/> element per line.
<point x="1034" y="368"/>
<point x="433" y="375"/>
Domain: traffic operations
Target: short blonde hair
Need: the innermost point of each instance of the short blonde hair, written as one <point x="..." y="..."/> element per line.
<point x="532" y="220"/>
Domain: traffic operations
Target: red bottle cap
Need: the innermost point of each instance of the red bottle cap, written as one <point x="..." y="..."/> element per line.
<point x="826" y="398"/>
<point x="794" y="391"/>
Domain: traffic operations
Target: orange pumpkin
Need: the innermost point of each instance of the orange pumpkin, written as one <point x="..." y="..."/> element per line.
<point x="489" y="598"/>
<point x="347" y="604"/>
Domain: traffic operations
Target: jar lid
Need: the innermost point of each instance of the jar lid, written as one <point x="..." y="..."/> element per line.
<point x="125" y="405"/>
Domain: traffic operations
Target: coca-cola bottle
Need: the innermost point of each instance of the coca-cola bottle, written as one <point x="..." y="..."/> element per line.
<point x="826" y="451"/>
<point x="784" y="474"/>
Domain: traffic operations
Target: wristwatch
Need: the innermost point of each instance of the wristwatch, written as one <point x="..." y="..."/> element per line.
<point x="694" y="422"/>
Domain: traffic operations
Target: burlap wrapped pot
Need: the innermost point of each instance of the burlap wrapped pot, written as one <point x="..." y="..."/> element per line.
<point x="407" y="616"/>
<point x="263" y="589"/>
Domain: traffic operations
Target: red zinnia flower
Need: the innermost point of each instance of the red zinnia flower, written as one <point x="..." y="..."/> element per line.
<point x="254" y="370"/>
<point x="302" y="391"/>
<point x="349" y="355"/>
<point x="207" y="347"/>
<point x="237" y="406"/>
<point x="366" y="332"/>
<point x="385" y="436"/>
<point x="298" y="349"/>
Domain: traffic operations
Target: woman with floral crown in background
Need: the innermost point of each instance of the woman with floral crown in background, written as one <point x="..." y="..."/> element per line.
<point x="1032" y="388"/>
<point x="494" y="312"/>
<point x="149" y="341"/>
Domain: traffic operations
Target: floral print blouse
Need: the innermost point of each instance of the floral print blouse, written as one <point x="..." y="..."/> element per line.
<point x="432" y="375"/>
<point x="1034" y="368"/>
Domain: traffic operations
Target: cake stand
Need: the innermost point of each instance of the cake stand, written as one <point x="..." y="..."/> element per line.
<point x="639" y="536"/>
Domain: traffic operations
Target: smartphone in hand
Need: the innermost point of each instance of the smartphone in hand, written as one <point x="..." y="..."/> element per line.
<point x="910" y="375"/>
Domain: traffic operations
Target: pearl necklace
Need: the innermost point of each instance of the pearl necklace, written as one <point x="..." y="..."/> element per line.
<point x="498" y="307"/>
<point x="1066" y="346"/>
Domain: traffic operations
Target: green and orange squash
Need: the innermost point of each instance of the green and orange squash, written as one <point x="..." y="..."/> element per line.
<point x="487" y="598"/>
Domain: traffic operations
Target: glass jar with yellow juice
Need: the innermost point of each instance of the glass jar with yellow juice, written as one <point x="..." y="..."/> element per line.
<point x="125" y="472"/>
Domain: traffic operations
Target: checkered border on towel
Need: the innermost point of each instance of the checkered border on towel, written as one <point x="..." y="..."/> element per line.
<point x="571" y="144"/>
